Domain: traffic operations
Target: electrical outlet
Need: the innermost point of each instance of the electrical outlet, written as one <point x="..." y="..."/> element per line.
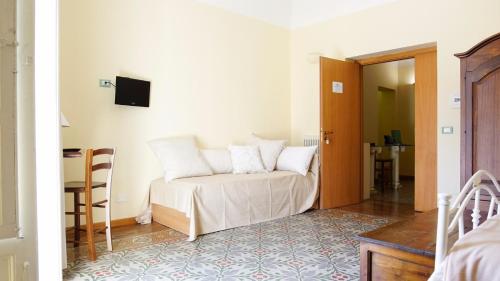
<point x="104" y="83"/>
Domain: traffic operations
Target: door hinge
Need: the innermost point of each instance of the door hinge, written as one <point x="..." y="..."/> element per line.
<point x="26" y="270"/>
<point x="20" y="233"/>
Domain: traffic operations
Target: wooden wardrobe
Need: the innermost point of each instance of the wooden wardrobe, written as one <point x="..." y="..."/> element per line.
<point x="480" y="110"/>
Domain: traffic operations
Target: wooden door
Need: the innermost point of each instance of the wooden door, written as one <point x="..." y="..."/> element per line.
<point x="425" y="131"/>
<point x="341" y="133"/>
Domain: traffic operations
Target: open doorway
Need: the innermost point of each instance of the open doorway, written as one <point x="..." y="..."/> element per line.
<point x="344" y="174"/>
<point x="389" y="131"/>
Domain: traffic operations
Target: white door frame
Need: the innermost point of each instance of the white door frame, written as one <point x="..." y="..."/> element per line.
<point x="48" y="142"/>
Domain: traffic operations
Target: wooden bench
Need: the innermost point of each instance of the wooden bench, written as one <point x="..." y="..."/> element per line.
<point x="401" y="251"/>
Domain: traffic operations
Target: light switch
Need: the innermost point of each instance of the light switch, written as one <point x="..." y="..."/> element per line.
<point x="447" y="130"/>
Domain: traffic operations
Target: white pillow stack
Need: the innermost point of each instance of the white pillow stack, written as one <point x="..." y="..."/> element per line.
<point x="246" y="159"/>
<point x="219" y="160"/>
<point x="269" y="150"/>
<point x="180" y="157"/>
<point x="296" y="159"/>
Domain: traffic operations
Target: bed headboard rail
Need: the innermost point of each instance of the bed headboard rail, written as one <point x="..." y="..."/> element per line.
<point x="471" y="189"/>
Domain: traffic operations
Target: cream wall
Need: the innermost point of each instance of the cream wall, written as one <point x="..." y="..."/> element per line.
<point x="391" y="109"/>
<point x="220" y="76"/>
<point x="455" y="25"/>
<point x="374" y="76"/>
<point x="214" y="74"/>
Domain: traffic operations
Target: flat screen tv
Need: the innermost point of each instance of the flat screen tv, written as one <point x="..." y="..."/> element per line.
<point x="132" y="92"/>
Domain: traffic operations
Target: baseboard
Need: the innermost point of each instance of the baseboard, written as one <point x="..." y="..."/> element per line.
<point x="114" y="223"/>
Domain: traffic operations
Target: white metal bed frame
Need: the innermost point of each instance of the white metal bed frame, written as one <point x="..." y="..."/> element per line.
<point x="473" y="187"/>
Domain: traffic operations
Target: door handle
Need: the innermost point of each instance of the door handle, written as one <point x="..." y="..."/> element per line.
<point x="325" y="136"/>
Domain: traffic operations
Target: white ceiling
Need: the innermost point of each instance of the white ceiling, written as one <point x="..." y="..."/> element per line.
<point x="294" y="13"/>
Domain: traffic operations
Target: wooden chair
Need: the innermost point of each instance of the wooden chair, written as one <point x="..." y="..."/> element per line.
<point x="383" y="168"/>
<point x="86" y="187"/>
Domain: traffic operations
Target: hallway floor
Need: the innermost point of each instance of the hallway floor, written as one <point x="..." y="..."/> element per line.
<point x="405" y="194"/>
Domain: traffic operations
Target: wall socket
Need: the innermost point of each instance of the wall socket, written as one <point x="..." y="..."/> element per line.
<point x="104" y="83"/>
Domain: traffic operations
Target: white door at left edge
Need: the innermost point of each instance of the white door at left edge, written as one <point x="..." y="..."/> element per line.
<point x="17" y="246"/>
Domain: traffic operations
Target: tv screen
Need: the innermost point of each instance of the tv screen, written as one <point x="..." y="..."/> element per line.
<point x="132" y="92"/>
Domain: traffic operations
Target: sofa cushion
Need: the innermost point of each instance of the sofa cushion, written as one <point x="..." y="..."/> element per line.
<point x="246" y="159"/>
<point x="269" y="150"/>
<point x="219" y="160"/>
<point x="296" y="159"/>
<point x="180" y="157"/>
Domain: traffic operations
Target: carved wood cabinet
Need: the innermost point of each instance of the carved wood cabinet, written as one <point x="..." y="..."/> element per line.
<point x="480" y="110"/>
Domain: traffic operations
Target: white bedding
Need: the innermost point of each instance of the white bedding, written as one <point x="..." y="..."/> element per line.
<point x="224" y="201"/>
<point x="475" y="256"/>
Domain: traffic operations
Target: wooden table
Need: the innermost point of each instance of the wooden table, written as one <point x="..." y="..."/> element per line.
<point x="72" y="154"/>
<point x="400" y="251"/>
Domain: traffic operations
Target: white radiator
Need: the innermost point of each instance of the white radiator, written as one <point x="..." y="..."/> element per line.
<point x="311" y="140"/>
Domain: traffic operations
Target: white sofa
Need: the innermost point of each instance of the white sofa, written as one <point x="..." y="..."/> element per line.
<point x="200" y="205"/>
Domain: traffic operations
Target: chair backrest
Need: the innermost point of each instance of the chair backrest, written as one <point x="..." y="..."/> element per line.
<point x="91" y="167"/>
<point x="472" y="188"/>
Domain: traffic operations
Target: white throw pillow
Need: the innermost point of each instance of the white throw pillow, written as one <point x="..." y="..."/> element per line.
<point x="180" y="157"/>
<point x="269" y="150"/>
<point x="219" y="160"/>
<point x="246" y="159"/>
<point x="296" y="159"/>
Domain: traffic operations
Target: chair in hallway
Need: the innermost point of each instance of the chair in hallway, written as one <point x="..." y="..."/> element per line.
<point x="383" y="168"/>
<point x="86" y="187"/>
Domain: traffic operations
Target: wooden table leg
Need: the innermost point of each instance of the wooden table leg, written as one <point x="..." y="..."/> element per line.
<point x="365" y="262"/>
<point x="76" y="202"/>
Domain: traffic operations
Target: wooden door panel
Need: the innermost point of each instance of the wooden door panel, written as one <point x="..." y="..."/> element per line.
<point x="480" y="112"/>
<point x="341" y="121"/>
<point x="425" y="131"/>
<point x="486" y="124"/>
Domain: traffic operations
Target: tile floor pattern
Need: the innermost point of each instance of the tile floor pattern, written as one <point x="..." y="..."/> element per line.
<point x="317" y="245"/>
<point x="126" y="243"/>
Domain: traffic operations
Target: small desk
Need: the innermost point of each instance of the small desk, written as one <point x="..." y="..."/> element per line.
<point x="401" y="251"/>
<point x="72" y="154"/>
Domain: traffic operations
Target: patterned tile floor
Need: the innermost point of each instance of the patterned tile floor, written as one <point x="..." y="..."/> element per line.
<point x="317" y="245"/>
<point x="126" y="243"/>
